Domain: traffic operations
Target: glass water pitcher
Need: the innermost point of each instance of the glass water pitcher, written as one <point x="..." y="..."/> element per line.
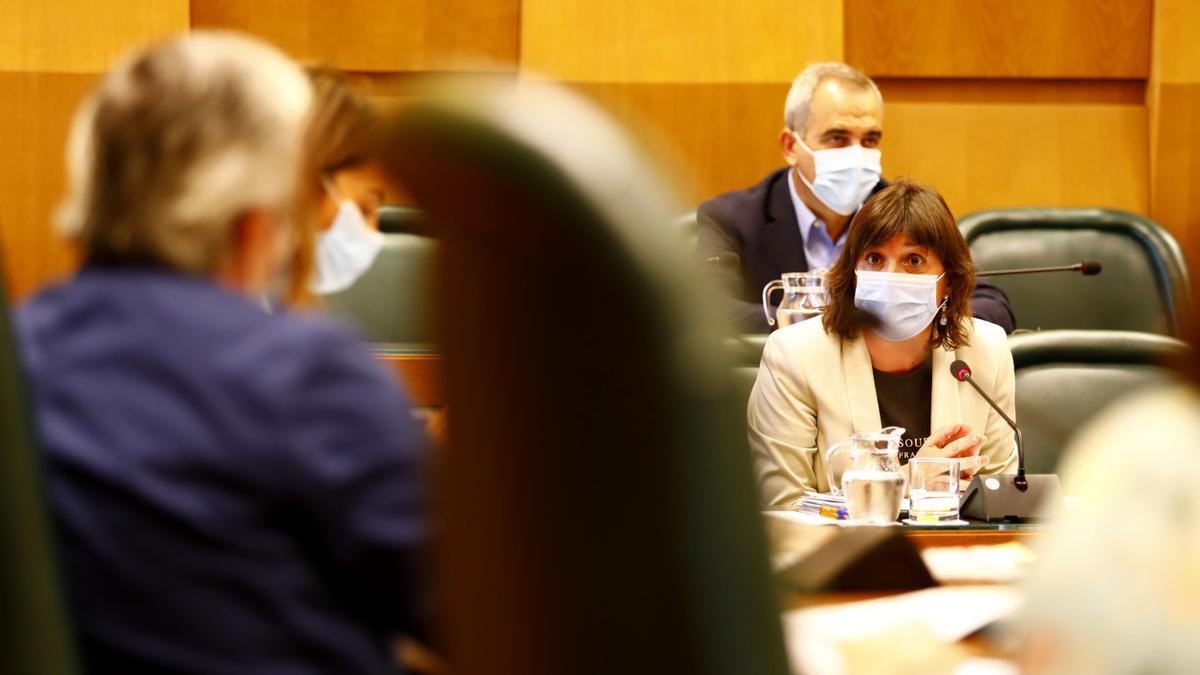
<point x="866" y="471"/>
<point x="804" y="296"/>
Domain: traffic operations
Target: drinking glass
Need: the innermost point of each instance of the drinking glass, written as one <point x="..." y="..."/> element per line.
<point x="933" y="489"/>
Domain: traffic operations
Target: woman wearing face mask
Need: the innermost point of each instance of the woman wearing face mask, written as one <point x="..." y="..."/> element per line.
<point x="346" y="183"/>
<point x="880" y="355"/>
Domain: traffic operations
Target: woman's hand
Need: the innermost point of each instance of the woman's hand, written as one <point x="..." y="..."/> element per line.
<point x="957" y="440"/>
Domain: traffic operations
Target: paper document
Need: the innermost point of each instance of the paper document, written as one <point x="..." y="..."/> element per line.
<point x="996" y="563"/>
<point x="815" y="636"/>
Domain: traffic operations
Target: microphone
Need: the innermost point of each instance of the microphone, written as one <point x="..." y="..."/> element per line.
<point x="1086" y="267"/>
<point x="994" y="498"/>
<point x="962" y="373"/>
<point x="724" y="260"/>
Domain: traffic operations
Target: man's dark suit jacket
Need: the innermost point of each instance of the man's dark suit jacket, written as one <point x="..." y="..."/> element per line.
<point x="759" y="225"/>
<point x="235" y="491"/>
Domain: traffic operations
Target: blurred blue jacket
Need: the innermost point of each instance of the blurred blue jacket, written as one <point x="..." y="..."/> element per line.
<point x="234" y="491"/>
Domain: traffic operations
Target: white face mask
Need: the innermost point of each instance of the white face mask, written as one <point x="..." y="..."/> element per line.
<point x="844" y="176"/>
<point x="904" y="303"/>
<point x="345" y="251"/>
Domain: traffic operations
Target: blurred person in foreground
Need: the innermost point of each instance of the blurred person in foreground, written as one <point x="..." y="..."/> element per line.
<point x="907" y="270"/>
<point x="1116" y="587"/>
<point x="344" y="183"/>
<point x="797" y="219"/>
<point x="234" y="491"/>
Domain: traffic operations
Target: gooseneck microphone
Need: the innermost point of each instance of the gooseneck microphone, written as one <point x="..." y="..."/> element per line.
<point x="962" y="373"/>
<point x="1005" y="498"/>
<point x="1085" y="267"/>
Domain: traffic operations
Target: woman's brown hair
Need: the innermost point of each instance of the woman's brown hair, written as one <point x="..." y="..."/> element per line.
<point x="919" y="214"/>
<point x="343" y="128"/>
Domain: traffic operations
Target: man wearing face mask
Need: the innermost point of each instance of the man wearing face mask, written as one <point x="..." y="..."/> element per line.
<point x="797" y="218"/>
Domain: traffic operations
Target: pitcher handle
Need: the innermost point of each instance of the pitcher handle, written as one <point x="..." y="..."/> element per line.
<point x="834" y="449"/>
<point x="773" y="285"/>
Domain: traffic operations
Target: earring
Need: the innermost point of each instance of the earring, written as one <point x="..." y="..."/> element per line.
<point x="943" y="321"/>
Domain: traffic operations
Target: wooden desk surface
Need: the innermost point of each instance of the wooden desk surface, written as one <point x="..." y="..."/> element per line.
<point x="931" y="538"/>
<point x="418" y="368"/>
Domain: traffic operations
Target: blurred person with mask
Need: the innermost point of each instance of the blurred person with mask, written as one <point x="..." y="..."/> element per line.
<point x="1116" y="585"/>
<point x="344" y="183"/>
<point x="906" y="267"/>
<point x="797" y="218"/>
<point x="234" y="491"/>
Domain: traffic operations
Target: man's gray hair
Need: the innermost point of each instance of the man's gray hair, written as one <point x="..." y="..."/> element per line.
<point x="799" y="98"/>
<point x="178" y="141"/>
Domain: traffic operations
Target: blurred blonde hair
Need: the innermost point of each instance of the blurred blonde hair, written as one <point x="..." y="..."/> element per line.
<point x="177" y="141"/>
<point x="343" y="132"/>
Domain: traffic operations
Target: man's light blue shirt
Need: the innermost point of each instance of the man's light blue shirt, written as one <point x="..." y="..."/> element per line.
<point x="819" y="249"/>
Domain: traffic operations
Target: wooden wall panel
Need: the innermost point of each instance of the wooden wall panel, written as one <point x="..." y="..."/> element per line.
<point x="51" y="53"/>
<point x="1174" y="101"/>
<point x="78" y="36"/>
<point x="944" y="90"/>
<point x="678" y="41"/>
<point x="713" y="137"/>
<point x="1176" y="49"/>
<point x="378" y="35"/>
<point x="999" y="38"/>
<point x="1175" y="182"/>
<point x="33" y="174"/>
<point x="996" y="155"/>
<point x="980" y="155"/>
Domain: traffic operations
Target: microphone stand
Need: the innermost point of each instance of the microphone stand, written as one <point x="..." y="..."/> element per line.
<point x="1020" y="482"/>
<point x="1003" y="498"/>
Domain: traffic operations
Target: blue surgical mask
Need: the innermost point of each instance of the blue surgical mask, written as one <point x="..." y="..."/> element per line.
<point x="904" y="303"/>
<point x="844" y="176"/>
<point x="346" y="250"/>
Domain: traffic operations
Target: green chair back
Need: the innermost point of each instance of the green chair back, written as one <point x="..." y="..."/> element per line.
<point x="396" y="219"/>
<point x="1065" y="377"/>
<point x="1144" y="285"/>
<point x="745" y="353"/>
<point x="599" y="513"/>
<point x="390" y="302"/>
<point x="36" y="638"/>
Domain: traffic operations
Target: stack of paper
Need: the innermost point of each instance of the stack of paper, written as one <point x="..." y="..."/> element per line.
<point x="821" y="638"/>
<point x="828" y="506"/>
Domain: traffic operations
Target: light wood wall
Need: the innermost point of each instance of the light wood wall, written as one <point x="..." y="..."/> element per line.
<point x="994" y="102"/>
<point x="51" y="54"/>
<point x="1173" y="97"/>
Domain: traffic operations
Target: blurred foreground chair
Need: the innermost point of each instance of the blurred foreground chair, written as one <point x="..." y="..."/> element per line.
<point x="390" y="303"/>
<point x="1065" y="377"/>
<point x="599" y="515"/>
<point x="1144" y="285"/>
<point x="35" y="634"/>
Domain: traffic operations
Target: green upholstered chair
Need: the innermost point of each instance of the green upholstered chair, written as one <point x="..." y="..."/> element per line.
<point x="390" y="303"/>
<point x="598" y="513"/>
<point x="396" y="219"/>
<point x="745" y="353"/>
<point x="1065" y="377"/>
<point x="1144" y="285"/>
<point x="35" y="634"/>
